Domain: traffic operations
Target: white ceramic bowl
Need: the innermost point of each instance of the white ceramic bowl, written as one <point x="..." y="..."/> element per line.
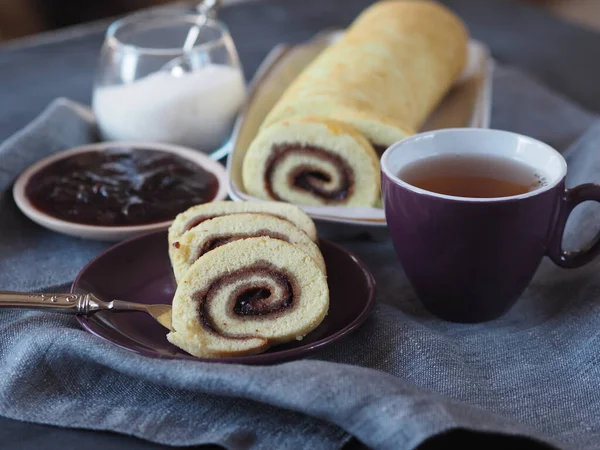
<point x="109" y="233"/>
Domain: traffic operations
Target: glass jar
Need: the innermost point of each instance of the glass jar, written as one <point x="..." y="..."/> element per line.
<point x="169" y="77"/>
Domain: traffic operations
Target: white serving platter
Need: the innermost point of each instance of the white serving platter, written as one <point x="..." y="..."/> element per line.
<point x="467" y="104"/>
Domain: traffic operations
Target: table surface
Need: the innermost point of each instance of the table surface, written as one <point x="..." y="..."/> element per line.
<point x="36" y="70"/>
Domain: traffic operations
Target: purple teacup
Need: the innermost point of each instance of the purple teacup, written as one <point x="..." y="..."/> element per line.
<point x="469" y="259"/>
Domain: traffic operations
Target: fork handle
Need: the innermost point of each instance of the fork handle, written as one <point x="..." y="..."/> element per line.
<point x="80" y="304"/>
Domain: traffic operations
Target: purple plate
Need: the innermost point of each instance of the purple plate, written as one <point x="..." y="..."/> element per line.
<point x="138" y="270"/>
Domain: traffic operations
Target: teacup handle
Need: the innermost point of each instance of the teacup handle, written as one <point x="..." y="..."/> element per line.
<point x="577" y="258"/>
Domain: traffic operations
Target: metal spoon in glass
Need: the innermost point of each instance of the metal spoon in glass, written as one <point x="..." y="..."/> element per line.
<point x="180" y="65"/>
<point x="81" y="304"/>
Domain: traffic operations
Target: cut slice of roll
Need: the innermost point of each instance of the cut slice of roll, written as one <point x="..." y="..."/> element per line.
<point x="195" y="215"/>
<point x="219" y="231"/>
<point x="312" y="161"/>
<point x="385" y="75"/>
<point x="243" y="297"/>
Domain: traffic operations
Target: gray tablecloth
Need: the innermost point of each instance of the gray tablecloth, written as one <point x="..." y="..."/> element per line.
<point x="402" y="378"/>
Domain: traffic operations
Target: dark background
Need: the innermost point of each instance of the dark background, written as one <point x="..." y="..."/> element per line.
<point x="19" y="18"/>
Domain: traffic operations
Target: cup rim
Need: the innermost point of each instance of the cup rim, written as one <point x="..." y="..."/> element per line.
<point x="114" y="42"/>
<point x="395" y="179"/>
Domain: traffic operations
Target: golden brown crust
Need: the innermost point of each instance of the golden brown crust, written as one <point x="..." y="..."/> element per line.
<point x="386" y="74"/>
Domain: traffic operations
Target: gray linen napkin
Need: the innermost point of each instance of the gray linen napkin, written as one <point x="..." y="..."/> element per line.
<point x="32" y="257"/>
<point x="400" y="379"/>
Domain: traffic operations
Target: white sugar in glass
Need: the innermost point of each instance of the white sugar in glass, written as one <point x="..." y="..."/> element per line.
<point x="137" y="98"/>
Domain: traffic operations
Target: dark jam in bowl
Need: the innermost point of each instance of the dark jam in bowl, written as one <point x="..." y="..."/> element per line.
<point x="121" y="186"/>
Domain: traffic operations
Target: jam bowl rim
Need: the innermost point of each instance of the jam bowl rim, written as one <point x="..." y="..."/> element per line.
<point x="109" y="232"/>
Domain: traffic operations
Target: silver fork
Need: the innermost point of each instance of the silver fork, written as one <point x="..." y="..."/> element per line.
<point x="81" y="304"/>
